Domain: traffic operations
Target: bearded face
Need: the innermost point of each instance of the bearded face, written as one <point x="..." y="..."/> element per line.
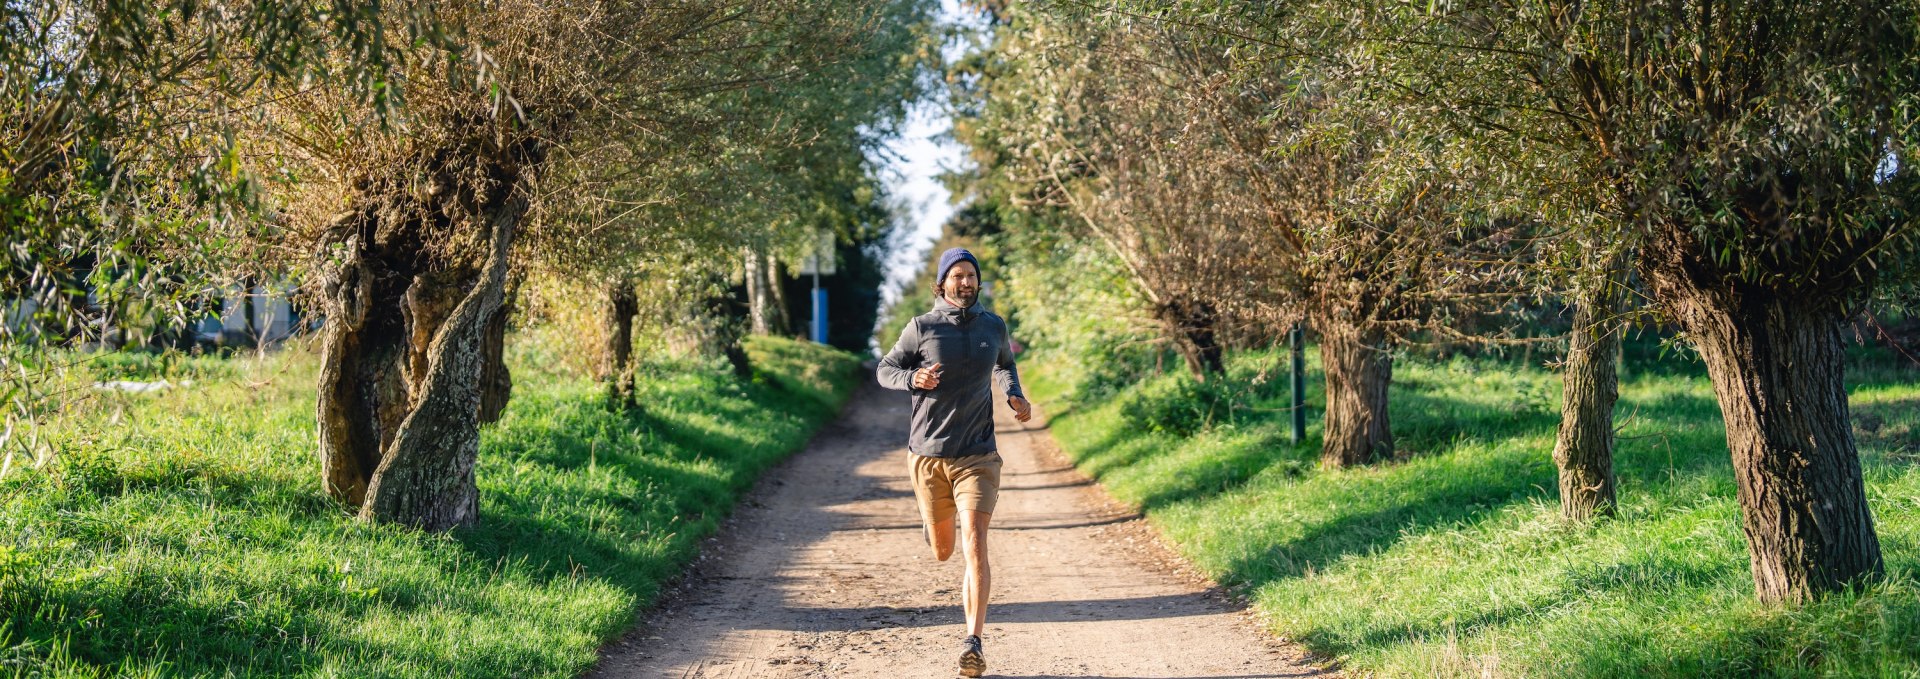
<point x="962" y="284"/>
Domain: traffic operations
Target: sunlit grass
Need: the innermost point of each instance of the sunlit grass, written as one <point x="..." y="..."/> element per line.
<point x="185" y="533"/>
<point x="1452" y="560"/>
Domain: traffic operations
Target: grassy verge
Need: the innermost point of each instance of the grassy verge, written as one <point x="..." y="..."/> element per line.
<point x="186" y="533"/>
<point x="1451" y="561"/>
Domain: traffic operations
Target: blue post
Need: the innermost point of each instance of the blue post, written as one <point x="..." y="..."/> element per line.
<point x="819" y="311"/>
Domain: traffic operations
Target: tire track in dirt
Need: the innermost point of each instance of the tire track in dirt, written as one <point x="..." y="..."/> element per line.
<point x="823" y="572"/>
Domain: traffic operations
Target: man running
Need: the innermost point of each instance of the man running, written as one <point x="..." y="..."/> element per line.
<point x="944" y="358"/>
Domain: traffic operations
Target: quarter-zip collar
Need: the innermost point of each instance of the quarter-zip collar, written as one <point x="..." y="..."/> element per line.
<point x="957" y="314"/>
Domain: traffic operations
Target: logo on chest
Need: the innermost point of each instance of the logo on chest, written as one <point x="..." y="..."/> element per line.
<point x="983" y="345"/>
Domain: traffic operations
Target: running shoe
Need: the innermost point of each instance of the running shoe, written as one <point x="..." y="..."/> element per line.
<point x="972" y="663"/>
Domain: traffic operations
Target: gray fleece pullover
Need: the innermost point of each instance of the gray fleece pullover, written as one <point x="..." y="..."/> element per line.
<point x="954" y="419"/>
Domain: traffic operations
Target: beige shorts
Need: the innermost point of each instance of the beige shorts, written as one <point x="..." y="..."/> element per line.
<point x="944" y="485"/>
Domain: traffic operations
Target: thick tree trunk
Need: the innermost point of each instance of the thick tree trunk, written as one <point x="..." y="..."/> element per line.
<point x="616" y="365"/>
<point x="1191" y="323"/>
<point x="363" y="393"/>
<point x="415" y="331"/>
<point x="1359" y="369"/>
<point x="1583" y="450"/>
<point x="426" y="477"/>
<point x="1775" y="358"/>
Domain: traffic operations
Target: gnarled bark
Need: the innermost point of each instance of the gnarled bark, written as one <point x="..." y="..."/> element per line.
<point x="426" y="477"/>
<point x="363" y="393"/>
<point x="1776" y="361"/>
<point x="616" y="365"/>
<point x="1583" y="448"/>
<point x="416" y="322"/>
<point x="1359" y="369"/>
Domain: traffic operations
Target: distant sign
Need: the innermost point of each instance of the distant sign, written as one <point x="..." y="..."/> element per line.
<point x="821" y="260"/>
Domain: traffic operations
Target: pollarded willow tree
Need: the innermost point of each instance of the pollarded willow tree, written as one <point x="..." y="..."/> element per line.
<point x="1083" y="117"/>
<point x="1559" y="238"/>
<point x="1596" y="283"/>
<point x="1753" y="157"/>
<point x="1246" y="191"/>
<point x="116" y="163"/>
<point x="1379" y="253"/>
<point x="405" y="180"/>
<point x="120" y="176"/>
<point x="412" y="226"/>
<point x="415" y="226"/>
<point x="1756" y="155"/>
<point x="1563" y="246"/>
<point x="1583" y="252"/>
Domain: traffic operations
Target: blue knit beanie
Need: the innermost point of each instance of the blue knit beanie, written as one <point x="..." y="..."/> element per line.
<point x="951" y="257"/>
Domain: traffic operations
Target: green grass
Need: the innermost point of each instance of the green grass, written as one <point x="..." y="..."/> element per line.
<point x="186" y="534"/>
<point x="1452" y="560"/>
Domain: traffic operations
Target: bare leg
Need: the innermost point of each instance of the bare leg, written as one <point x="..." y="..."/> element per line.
<point x="942" y="536"/>
<point x="979" y="580"/>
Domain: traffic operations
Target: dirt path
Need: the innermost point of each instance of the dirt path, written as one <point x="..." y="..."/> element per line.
<point x="823" y="573"/>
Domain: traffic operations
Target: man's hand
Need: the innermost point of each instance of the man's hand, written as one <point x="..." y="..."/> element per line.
<point x="927" y="378"/>
<point x="1021" y="410"/>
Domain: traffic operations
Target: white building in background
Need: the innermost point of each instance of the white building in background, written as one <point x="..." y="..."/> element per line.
<point x="273" y="316"/>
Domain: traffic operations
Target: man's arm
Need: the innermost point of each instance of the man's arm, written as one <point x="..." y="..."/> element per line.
<point x="1007" y="376"/>
<point x="896" y="368"/>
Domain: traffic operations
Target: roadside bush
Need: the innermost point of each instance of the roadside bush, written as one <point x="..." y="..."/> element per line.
<point x="1180" y="406"/>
